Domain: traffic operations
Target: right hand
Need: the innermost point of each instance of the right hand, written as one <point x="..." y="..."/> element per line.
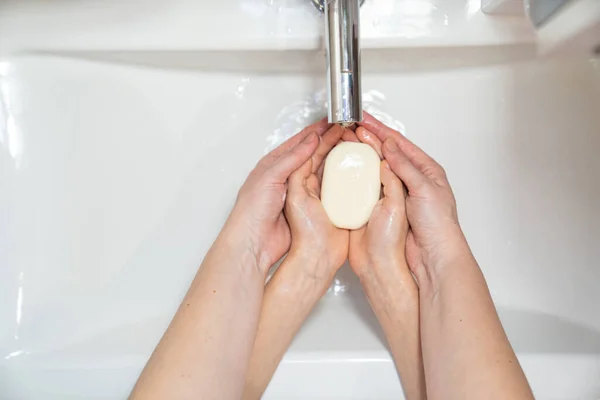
<point x="435" y="238"/>
<point x="322" y="247"/>
<point x="257" y="223"/>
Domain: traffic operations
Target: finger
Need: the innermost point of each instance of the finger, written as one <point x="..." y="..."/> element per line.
<point x="418" y="157"/>
<point x="298" y="178"/>
<point x="403" y="167"/>
<point x="320" y="171"/>
<point x="328" y="142"/>
<point x="368" y="138"/>
<point x="427" y="165"/>
<point x="416" y="264"/>
<point x="392" y="186"/>
<point x="378" y="128"/>
<point x="349" y="136"/>
<point x="319" y="128"/>
<point x="313" y="186"/>
<point x="289" y="162"/>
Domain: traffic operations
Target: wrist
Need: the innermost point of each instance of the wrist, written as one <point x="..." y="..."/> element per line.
<point x="452" y="247"/>
<point x="240" y="237"/>
<point x="237" y="248"/>
<point x="383" y="270"/>
<point x="454" y="260"/>
<point x="229" y="263"/>
<point x="309" y="255"/>
<point x="311" y="273"/>
<point x="389" y="287"/>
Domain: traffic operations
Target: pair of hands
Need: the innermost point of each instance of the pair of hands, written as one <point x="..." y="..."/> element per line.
<point x="279" y="209"/>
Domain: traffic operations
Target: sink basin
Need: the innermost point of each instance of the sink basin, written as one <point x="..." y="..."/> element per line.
<point x="122" y="148"/>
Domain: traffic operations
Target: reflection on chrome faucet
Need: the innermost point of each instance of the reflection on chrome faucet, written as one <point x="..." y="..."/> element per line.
<point x="342" y="33"/>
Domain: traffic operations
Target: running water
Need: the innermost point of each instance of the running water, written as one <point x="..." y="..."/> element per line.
<point x="297" y="115"/>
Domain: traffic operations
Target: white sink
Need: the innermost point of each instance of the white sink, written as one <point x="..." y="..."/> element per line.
<point x="125" y="133"/>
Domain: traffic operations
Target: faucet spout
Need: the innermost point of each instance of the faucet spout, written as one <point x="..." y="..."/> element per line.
<point x="342" y="33"/>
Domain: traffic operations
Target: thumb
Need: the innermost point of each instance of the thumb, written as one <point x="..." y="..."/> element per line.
<point x="392" y="186"/>
<point x="300" y="175"/>
<point x="289" y="162"/>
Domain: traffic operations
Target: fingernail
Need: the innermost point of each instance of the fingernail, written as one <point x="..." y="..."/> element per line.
<point x="391" y="146"/>
<point x="309" y="138"/>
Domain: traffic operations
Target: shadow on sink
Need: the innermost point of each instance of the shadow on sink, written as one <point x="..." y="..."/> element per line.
<point x="532" y="332"/>
<point x="344" y="321"/>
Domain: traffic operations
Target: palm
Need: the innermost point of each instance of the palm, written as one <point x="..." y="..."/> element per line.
<point x="430" y="223"/>
<point x="336" y="238"/>
<point x="309" y="216"/>
<point x="265" y="217"/>
<point x="383" y="237"/>
<point x="309" y="224"/>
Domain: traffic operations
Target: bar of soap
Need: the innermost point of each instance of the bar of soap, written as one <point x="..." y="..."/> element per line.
<point x="351" y="184"/>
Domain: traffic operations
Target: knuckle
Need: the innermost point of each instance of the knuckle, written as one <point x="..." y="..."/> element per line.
<point x="434" y="170"/>
<point x="423" y="187"/>
<point x="264" y="162"/>
<point x="442" y="172"/>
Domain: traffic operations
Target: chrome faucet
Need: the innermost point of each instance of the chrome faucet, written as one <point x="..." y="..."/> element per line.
<point x="342" y="27"/>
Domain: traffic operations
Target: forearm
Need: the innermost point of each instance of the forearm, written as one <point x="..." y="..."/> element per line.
<point x="207" y="347"/>
<point x="393" y="295"/>
<point x="290" y="296"/>
<point x="466" y="352"/>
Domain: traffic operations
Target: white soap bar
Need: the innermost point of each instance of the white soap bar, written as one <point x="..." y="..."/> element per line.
<point x="351" y="184"/>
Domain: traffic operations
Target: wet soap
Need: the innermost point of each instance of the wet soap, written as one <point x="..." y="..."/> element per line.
<point x="351" y="184"/>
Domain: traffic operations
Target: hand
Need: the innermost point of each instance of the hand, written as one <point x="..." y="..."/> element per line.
<point x="377" y="256"/>
<point x="382" y="240"/>
<point x="321" y="246"/>
<point x="318" y="249"/>
<point x="435" y="237"/>
<point x="257" y="222"/>
<point x="377" y="250"/>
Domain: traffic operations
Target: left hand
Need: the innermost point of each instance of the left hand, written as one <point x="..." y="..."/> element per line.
<point x="322" y="247"/>
<point x="377" y="250"/>
<point x="257" y="223"/>
<point x="435" y="239"/>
